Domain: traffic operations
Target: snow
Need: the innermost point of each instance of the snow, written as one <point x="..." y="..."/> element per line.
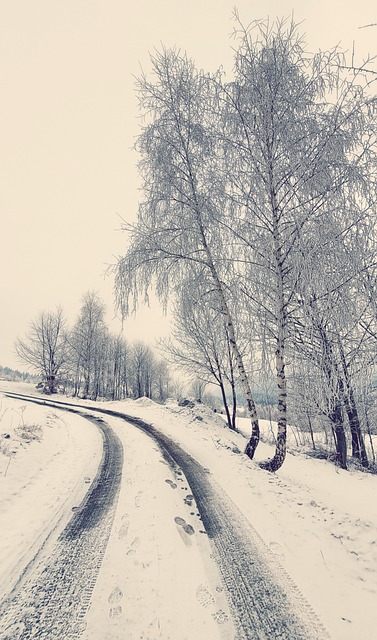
<point x="145" y="402"/>
<point x="318" y="522"/>
<point x="152" y="565"/>
<point x="40" y="481"/>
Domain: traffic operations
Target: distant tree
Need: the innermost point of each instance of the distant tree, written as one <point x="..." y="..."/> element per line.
<point x="143" y="369"/>
<point x="87" y="341"/>
<point x="163" y="381"/>
<point x="118" y="368"/>
<point x="45" y="347"/>
<point x="179" y="389"/>
<point x="198" y="388"/>
<point x="6" y="373"/>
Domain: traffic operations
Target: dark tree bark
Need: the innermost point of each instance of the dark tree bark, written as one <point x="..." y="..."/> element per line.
<point x="336" y="419"/>
<point x="357" y="440"/>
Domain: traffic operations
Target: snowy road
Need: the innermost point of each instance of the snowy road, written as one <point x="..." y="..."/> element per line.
<point x="218" y="570"/>
<point x="52" y="601"/>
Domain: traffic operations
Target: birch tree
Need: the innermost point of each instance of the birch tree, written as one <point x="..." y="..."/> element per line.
<point x="200" y="344"/>
<point x="334" y="324"/>
<point x="177" y="231"/>
<point x="299" y="138"/>
<point x="238" y="175"/>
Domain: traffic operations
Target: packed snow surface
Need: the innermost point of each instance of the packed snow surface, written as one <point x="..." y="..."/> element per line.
<point x="319" y="522"/>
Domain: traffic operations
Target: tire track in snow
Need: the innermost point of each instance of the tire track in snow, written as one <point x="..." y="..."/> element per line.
<point x="53" y="600"/>
<point x="265" y="603"/>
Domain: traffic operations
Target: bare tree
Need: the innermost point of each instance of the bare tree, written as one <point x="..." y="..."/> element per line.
<point x="87" y="341"/>
<point x="45" y="347"/>
<point x="118" y="365"/>
<point x="143" y="369"/>
<point x="163" y="381"/>
<point x="198" y="388"/>
<point x="200" y="344"/>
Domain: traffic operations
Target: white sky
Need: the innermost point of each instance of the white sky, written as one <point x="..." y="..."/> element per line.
<point x="69" y="119"/>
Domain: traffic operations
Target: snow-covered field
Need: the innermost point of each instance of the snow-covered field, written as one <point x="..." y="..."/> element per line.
<point x="318" y="522"/>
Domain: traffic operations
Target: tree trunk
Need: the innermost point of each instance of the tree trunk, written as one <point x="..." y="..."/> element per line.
<point x="357" y="440"/>
<point x="311" y="431"/>
<point x="252" y="410"/>
<point x="334" y="379"/>
<point x="225" y="403"/>
<point x="251" y="407"/>
<point x="232" y="385"/>
<point x="86" y="386"/>
<point x="281" y="438"/>
<point x="234" y="406"/>
<point x="336" y="419"/>
<point x="369" y="431"/>
<point x="50" y="380"/>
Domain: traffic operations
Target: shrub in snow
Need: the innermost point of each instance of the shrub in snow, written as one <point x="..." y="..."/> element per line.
<point x="29" y="432"/>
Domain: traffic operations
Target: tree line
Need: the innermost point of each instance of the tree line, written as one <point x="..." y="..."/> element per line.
<point x="258" y="223"/>
<point x="87" y="360"/>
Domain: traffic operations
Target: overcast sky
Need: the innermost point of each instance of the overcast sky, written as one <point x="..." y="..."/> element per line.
<point x="68" y="123"/>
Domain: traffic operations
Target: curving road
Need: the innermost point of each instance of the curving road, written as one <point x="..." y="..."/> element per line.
<point x="52" y="601"/>
<point x="264" y="603"/>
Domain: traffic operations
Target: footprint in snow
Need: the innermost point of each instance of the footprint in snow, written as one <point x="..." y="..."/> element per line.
<point x="138" y="499"/>
<point x="204" y="596"/>
<point x="134" y="545"/>
<point x="189" y="529"/>
<point x="186" y="527"/>
<point x="277" y="550"/>
<point x="115" y="596"/>
<point x="220" y="617"/>
<point x="171" y="483"/>
<point x="124" y="527"/>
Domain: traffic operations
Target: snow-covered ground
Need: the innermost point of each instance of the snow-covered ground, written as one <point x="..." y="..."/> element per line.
<point x="319" y="522"/>
<point x="47" y="460"/>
